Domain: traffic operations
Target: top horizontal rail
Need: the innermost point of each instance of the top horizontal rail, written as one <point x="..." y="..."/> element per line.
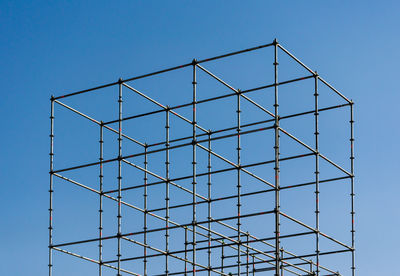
<point x="212" y="99"/>
<point x="315" y="74"/>
<point x="165" y="70"/>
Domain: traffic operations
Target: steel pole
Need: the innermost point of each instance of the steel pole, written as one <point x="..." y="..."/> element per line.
<point x="50" y="228"/>
<point x="101" y="200"/>
<point x="276" y="147"/>
<point x="119" y="216"/>
<point x="353" y="261"/>
<point x="238" y="204"/>
<point x="166" y="190"/>
<point x="316" y="137"/>
<point x="194" y="142"/>
<point x="145" y="213"/>
<point x="209" y="203"/>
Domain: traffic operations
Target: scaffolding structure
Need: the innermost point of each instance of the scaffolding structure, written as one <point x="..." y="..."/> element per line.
<point x="200" y="243"/>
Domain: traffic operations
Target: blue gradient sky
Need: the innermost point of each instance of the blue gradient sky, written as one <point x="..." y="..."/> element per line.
<point x="50" y="47"/>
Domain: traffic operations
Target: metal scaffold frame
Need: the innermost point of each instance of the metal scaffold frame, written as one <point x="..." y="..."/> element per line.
<point x="253" y="255"/>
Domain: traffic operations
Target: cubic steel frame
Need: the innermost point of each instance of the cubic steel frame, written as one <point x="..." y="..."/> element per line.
<point x="253" y="254"/>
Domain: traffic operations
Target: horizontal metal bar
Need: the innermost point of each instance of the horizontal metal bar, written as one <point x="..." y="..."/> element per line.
<point x="277" y="84"/>
<point x="335" y="240"/>
<point x="321" y="253"/>
<point x="164" y="70"/>
<point x="98" y="123"/>
<point x="311" y="71"/>
<point x="235" y="53"/>
<point x="249" y="124"/>
<point x="335" y="165"/>
<point x="335" y="90"/>
<point x="313" y="111"/>
<point x="296" y="59"/>
<point x="217" y="78"/>
<point x="316" y="231"/>
<point x="236" y="166"/>
<point x="213" y="172"/>
<point x="297" y="140"/>
<point x="210" y="99"/>
<point x="163" y="228"/>
<point x="164" y="179"/>
<point x="213" y="200"/>
<point x="165" y="108"/>
<point x="160" y="150"/>
<point x="237" y="91"/>
<point x="313" y="150"/>
<point x="93" y="261"/>
<point x="165" y="253"/>
<point x="127" y="80"/>
<point x="313" y="182"/>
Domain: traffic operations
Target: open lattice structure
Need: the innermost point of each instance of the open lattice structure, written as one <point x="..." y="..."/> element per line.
<point x="221" y="215"/>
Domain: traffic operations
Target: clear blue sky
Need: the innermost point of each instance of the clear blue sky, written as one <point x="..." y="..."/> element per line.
<point x="52" y="47"/>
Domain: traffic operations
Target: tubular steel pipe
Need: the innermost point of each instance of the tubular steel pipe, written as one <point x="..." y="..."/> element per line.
<point x="222" y="256"/>
<point x="166" y="190"/>
<point x="238" y="164"/>
<point x="119" y="197"/>
<point x="160" y="150"/>
<point x="97" y="122"/>
<point x="186" y="248"/>
<point x="101" y="141"/>
<point x="253" y="193"/>
<point x="94" y="261"/>
<point x="163" y="179"/>
<point x="249" y="124"/>
<point x="315" y="230"/>
<point x="313" y="150"/>
<point x="276" y="168"/>
<point x="194" y="183"/>
<point x="162" y="106"/>
<point x="209" y="167"/>
<point x="51" y="155"/>
<point x="312" y="72"/>
<point x="247" y="255"/>
<point x="213" y="99"/>
<point x="145" y="213"/>
<point x="165" y="70"/>
<point x="206" y="173"/>
<point x="316" y="137"/>
<point x="238" y="167"/>
<point x="237" y="91"/>
<point x="353" y="266"/>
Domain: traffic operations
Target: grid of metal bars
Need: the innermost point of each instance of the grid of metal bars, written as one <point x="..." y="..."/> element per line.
<point x="254" y="255"/>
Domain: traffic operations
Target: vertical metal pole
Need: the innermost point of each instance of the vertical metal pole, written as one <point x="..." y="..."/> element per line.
<point x="276" y="147"/>
<point x="166" y="189"/>
<point x="247" y="254"/>
<point x="101" y="200"/>
<point x="209" y="203"/>
<point x="254" y="265"/>
<point x="119" y="174"/>
<point x="51" y="186"/>
<point x="222" y="256"/>
<point x="238" y="223"/>
<point x="353" y="264"/>
<point x="186" y="247"/>
<point x="145" y="213"/>
<point x="282" y="268"/>
<point x="316" y="136"/>
<point x="194" y="222"/>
